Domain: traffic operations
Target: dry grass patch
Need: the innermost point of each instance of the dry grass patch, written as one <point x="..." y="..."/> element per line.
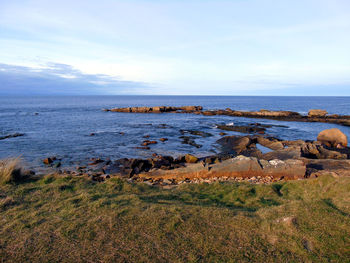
<point x="10" y="170"/>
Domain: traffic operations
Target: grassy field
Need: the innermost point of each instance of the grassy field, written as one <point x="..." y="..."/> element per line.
<point x="71" y="219"/>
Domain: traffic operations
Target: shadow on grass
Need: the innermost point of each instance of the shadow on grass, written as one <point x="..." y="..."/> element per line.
<point x="207" y="200"/>
<point x="330" y="204"/>
<point x="277" y="188"/>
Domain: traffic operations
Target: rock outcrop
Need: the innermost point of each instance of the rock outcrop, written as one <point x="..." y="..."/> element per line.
<point x="313" y="116"/>
<point x="317" y="113"/>
<point x="240" y="166"/>
<point x="157" y="109"/>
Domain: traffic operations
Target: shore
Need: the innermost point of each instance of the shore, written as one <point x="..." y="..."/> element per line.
<point x="256" y="158"/>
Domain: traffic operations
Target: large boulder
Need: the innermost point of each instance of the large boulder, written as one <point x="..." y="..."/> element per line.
<point x="234" y="143"/>
<point x="332" y="138"/>
<point x="317" y="113"/>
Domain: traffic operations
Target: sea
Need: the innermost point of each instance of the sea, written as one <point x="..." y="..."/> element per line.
<point x="61" y="126"/>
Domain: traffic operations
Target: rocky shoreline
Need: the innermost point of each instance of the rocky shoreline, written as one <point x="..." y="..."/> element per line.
<point x="241" y="159"/>
<point x="314" y="115"/>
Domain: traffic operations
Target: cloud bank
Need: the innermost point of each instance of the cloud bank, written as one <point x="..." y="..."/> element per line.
<point x="60" y="79"/>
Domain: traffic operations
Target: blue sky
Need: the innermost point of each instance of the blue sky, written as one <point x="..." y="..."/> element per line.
<point x="237" y="47"/>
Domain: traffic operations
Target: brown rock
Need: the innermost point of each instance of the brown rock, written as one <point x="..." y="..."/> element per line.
<point x="96" y="161"/>
<point x="147" y="142"/>
<point x="317" y="113"/>
<point x="273" y="145"/>
<point x="163" y="139"/>
<point x="121" y="110"/>
<point x="189" y="158"/>
<point x="235" y="143"/>
<point x="158" y="109"/>
<point x="141" y="109"/>
<point x="284" y="154"/>
<point x="142" y="147"/>
<point x="332" y="138"/>
<point x="328" y="154"/>
<point x="209" y="113"/>
<point x="268" y="113"/>
<point x="293" y="143"/>
<point x="48" y="161"/>
<point x="191" y="108"/>
<point x="340" y="167"/>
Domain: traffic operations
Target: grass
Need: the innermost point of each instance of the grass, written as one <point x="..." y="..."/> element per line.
<point x="71" y="219"/>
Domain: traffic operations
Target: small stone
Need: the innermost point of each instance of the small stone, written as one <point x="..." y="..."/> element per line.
<point x="142" y="147"/>
<point x="189" y="158"/>
<point x="48" y="161"/>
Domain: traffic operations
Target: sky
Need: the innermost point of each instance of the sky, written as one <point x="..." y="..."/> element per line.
<point x="183" y="47"/>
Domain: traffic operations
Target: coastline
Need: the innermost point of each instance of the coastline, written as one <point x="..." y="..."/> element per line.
<point x="242" y="158"/>
<point x="314" y="115"/>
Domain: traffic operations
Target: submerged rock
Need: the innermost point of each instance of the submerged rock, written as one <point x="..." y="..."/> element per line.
<point x="11" y="136"/>
<point x="242" y="129"/>
<point x="198" y="133"/>
<point x="147" y="142"/>
<point x="190" y="140"/>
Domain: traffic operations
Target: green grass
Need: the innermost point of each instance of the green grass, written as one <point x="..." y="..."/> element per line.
<point x="67" y="219"/>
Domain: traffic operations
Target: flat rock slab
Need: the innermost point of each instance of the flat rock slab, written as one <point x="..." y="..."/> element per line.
<point x="340" y="167"/>
<point x="241" y="166"/>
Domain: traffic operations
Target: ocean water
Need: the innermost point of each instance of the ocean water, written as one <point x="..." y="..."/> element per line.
<point x="61" y="126"/>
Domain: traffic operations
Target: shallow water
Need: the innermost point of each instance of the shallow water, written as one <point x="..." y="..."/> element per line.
<point x="61" y="126"/>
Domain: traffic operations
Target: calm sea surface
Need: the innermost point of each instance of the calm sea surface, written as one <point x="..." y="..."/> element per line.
<point x="61" y="126"/>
